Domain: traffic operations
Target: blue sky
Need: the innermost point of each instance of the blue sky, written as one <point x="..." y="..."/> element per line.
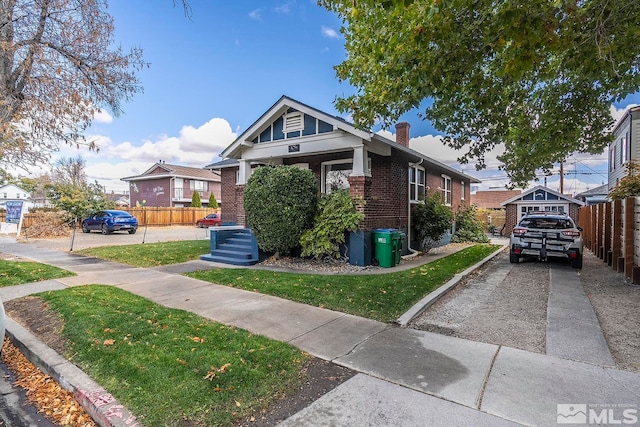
<point x="212" y="76"/>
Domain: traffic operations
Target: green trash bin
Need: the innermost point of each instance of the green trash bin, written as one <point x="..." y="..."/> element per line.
<point x="384" y="247"/>
<point x="397" y="238"/>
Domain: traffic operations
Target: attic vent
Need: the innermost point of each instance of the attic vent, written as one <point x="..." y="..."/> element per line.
<point x="293" y="122"/>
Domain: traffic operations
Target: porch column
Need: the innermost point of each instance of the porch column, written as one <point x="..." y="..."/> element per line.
<point x="244" y="172"/>
<point x="360" y="162"/>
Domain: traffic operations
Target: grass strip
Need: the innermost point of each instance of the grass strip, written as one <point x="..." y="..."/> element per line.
<point x="18" y="272"/>
<point x="381" y="297"/>
<point x="171" y="367"/>
<point x="151" y="254"/>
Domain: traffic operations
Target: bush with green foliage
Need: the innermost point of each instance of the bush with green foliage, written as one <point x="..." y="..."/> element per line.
<point x="431" y="219"/>
<point x="280" y="203"/>
<point x="213" y="202"/>
<point x="195" y="200"/>
<point x="336" y="214"/>
<point x="468" y="227"/>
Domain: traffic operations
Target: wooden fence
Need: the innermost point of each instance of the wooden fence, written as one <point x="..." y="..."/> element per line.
<point x="612" y="232"/>
<point x="154" y="216"/>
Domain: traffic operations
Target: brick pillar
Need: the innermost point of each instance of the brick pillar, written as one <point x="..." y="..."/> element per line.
<point x="358" y="186"/>
<point x="240" y="214"/>
<point x="402" y="133"/>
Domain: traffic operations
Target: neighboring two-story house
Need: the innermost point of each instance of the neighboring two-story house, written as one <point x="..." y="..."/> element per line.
<point x="388" y="175"/>
<point x="172" y="186"/>
<point x="11" y="192"/>
<point x="625" y="145"/>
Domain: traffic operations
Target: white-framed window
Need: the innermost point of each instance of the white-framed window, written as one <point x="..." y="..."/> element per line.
<point x="335" y="175"/>
<point x="199" y="186"/>
<point x="446" y="190"/>
<point x="462" y="190"/>
<point x="417" y="184"/>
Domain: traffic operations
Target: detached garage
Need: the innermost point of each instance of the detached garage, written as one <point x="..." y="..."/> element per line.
<point x="540" y="199"/>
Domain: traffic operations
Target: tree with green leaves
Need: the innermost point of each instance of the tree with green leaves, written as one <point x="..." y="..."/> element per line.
<point x="280" y="202"/>
<point x="213" y="202"/>
<point x="78" y="201"/>
<point x="195" y="200"/>
<point x="535" y="76"/>
<point x="431" y="219"/>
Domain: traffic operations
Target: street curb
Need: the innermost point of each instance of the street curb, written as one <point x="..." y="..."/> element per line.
<point x="432" y="297"/>
<point x="105" y="410"/>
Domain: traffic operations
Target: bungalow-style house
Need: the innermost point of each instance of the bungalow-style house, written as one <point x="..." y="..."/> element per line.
<point x="387" y="174"/>
<point x="538" y="199"/>
<point x="165" y="185"/>
<point x="625" y="146"/>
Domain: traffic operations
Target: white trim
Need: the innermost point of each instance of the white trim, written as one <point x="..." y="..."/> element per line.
<point x="417" y="168"/>
<point x="445" y="191"/>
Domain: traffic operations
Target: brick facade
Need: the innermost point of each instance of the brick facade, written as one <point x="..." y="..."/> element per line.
<point x="229" y="202"/>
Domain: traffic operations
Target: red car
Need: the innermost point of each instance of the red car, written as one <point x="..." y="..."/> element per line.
<point x="211" y="220"/>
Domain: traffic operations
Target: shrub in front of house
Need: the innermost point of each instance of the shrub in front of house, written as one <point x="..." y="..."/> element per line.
<point x="280" y="202"/>
<point x="431" y="219"/>
<point x="336" y="214"/>
<point x="213" y="202"/>
<point x="468" y="227"/>
<point x="195" y="200"/>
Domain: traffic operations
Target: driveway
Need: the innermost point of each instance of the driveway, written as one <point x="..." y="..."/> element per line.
<point x="507" y="304"/>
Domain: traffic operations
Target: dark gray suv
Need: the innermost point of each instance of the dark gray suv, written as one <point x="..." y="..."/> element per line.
<point x="547" y="235"/>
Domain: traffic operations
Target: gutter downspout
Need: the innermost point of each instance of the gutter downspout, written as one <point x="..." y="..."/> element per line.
<point x="413" y="251"/>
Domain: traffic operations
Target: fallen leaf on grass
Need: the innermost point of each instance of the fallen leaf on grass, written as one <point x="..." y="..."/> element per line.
<point x="109" y="342"/>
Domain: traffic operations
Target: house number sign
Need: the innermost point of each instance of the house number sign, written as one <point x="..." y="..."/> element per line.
<point x="294" y="148"/>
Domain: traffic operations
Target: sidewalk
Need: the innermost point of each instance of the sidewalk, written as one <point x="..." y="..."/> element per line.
<point x="407" y="377"/>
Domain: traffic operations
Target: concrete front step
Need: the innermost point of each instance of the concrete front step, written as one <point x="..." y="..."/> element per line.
<point x="228" y="260"/>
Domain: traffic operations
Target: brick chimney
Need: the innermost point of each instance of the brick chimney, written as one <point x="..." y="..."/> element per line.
<point x="402" y="133"/>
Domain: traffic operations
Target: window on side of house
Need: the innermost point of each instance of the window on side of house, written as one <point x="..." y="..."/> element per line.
<point x="335" y="175"/>
<point x="416" y="183"/>
<point x="446" y="190"/>
<point x="461" y="190"/>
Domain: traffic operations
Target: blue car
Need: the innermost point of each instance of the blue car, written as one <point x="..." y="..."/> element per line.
<point x="109" y="221"/>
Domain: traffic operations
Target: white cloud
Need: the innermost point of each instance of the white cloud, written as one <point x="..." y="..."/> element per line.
<point x="102" y="116"/>
<point x="617" y="113"/>
<point x="256" y="14"/>
<point x="329" y="32"/>
<point x="193" y="146"/>
<point x="284" y="8"/>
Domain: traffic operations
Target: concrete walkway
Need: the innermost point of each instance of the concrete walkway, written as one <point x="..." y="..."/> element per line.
<point x="407" y="377"/>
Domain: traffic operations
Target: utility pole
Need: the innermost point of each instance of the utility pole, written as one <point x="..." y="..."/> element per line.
<point x="562" y="177"/>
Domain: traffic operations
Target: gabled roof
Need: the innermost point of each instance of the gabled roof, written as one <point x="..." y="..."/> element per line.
<point x="280" y="108"/>
<point x="598" y="191"/>
<point x="226" y="163"/>
<point x="233" y="151"/>
<point x="542" y="188"/>
<point x="165" y="170"/>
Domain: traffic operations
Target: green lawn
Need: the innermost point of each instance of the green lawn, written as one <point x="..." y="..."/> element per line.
<point x="171" y="367"/>
<point x="381" y="297"/>
<point x="151" y="254"/>
<point x="19" y="272"/>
